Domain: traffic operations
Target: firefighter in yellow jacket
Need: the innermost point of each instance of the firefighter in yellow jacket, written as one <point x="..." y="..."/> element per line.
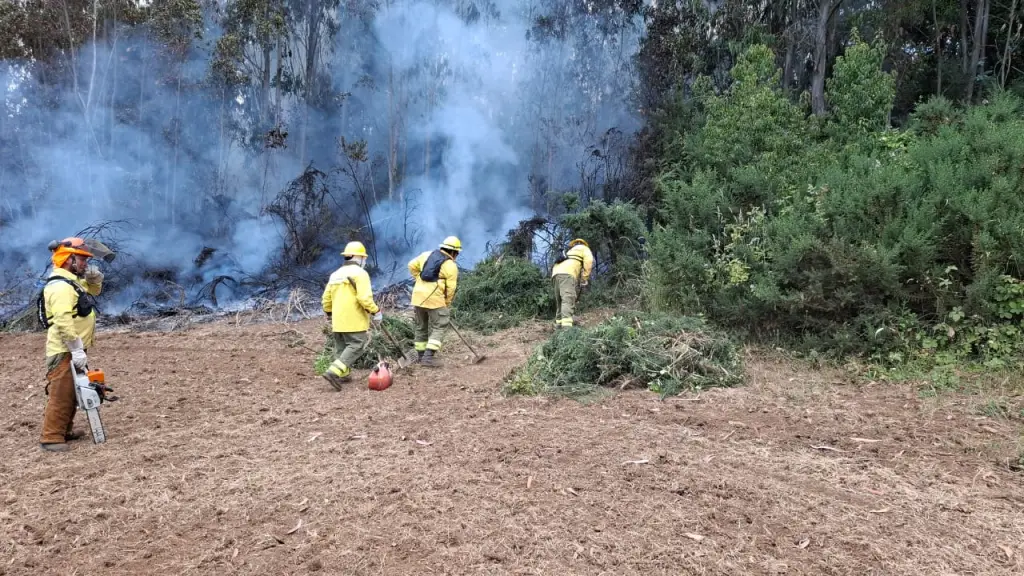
<point x="66" y="307"/>
<point x="567" y="277"/>
<point x="436" y="276"/>
<point x="348" y="303"/>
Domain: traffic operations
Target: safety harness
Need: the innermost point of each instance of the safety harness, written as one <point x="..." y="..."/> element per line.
<point x="83" y="307"/>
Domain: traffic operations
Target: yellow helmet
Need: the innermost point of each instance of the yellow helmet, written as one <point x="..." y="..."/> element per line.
<point x="579" y="241"/>
<point x="452" y="243"/>
<point x="354" y="249"/>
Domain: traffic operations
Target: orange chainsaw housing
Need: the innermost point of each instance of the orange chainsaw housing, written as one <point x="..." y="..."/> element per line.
<point x="380" y="378"/>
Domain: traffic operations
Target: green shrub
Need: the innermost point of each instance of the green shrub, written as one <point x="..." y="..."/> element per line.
<point x="402" y="330"/>
<point x="846" y="236"/>
<point x="501" y="292"/>
<point x="663" y="353"/>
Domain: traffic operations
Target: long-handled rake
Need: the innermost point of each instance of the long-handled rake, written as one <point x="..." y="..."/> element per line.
<point x="405" y="358"/>
<point x="477" y="358"/>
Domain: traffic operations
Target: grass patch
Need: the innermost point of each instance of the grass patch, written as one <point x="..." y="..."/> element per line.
<point x="665" y="354"/>
<point x="403" y="330"/>
<point x="500" y="293"/>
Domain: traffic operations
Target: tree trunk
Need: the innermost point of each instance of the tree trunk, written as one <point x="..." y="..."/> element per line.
<point x="265" y="112"/>
<point x="980" y="33"/>
<point x="1004" y="64"/>
<point x="787" y="77"/>
<point x="822" y="35"/>
<point x="938" y="50"/>
<point x="392" y="133"/>
<point x="964" y="39"/>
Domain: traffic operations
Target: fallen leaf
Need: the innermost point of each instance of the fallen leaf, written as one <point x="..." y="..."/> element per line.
<point x="296" y="529"/>
<point x="804" y="544"/>
<point x="234" y="554"/>
<point x="314" y="436"/>
<point x="573" y="492"/>
<point x="826" y="448"/>
<point x="696" y="537"/>
<point x="636" y="462"/>
<point x="855" y="439"/>
<point x="359" y="437"/>
<point x="423" y="443"/>
<point x="529" y="482"/>
<point x="734" y="423"/>
<point x="881" y="511"/>
<point x="1006" y="550"/>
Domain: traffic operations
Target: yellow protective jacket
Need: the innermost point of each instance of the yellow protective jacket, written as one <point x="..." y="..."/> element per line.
<point x="348" y="298"/>
<point x="579" y="263"/>
<point x="433" y="295"/>
<point x="61" y="301"/>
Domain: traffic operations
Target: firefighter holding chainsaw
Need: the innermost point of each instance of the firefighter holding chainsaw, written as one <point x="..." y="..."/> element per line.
<point x="437" y="277"/>
<point x="568" y="277"/>
<point x="66" y="308"/>
<point x="349" y="305"/>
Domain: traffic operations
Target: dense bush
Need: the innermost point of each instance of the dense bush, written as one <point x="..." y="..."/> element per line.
<point x="500" y="292"/>
<point x="663" y="353"/>
<point x="841" y="233"/>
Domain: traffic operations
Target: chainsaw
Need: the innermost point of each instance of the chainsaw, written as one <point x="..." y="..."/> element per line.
<point x="91" y="391"/>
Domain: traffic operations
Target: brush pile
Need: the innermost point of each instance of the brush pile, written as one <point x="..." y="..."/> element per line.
<point x="501" y="292"/>
<point x="665" y="354"/>
<point x="399" y="327"/>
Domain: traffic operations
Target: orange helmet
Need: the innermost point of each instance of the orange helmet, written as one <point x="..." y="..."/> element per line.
<point x="65" y="248"/>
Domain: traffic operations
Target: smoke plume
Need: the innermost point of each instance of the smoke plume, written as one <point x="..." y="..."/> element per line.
<point x="472" y="114"/>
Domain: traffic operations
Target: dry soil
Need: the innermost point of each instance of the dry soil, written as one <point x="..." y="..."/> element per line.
<point x="227" y="455"/>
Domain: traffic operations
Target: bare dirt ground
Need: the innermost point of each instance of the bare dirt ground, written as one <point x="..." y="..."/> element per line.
<point x="226" y="455"/>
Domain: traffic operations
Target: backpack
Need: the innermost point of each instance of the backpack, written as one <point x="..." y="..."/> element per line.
<point x="432" y="267"/>
<point x="84" y="307"/>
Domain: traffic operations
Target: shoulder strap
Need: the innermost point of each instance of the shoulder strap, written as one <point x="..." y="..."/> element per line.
<point x="41" y="299"/>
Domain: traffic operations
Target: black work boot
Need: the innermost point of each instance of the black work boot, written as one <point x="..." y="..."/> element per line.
<point x="419" y="355"/>
<point x="428" y="358"/>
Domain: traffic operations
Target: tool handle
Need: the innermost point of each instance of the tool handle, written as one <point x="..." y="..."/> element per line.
<point x="459" y="334"/>
<point x="394" y="342"/>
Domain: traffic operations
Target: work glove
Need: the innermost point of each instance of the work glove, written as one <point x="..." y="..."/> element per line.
<point x="93" y="275"/>
<point x="77" y="354"/>
<point x="378" y="318"/>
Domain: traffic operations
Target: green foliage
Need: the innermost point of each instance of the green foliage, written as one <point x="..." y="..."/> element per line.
<point x="860" y="94"/>
<point x="611" y="230"/>
<point x="855" y="238"/>
<point x="501" y="292"/>
<point x="379" y="347"/>
<point x="664" y="353"/>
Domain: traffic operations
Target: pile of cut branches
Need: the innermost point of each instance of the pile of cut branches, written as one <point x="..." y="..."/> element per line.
<point x="665" y="354"/>
<point x="380" y="346"/>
